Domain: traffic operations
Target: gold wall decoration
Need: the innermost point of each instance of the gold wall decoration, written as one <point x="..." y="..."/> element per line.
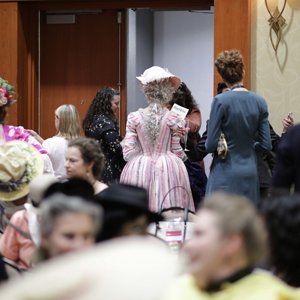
<point x="277" y="23"/>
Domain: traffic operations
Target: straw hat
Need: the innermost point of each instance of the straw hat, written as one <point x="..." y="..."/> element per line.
<point x="158" y="73"/>
<point x="19" y="164"/>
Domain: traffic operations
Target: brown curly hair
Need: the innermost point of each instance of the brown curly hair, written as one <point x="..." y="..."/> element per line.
<point x="230" y="66"/>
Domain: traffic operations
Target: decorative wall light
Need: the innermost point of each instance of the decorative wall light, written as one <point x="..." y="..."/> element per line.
<point x="276" y="22"/>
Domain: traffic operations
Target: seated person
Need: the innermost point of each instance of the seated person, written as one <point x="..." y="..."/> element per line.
<point x="229" y="242"/>
<point x="19" y="164"/>
<point x="282" y="217"/>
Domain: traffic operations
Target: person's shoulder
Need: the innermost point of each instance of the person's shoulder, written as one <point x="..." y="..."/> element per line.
<point x="136" y="113"/>
<point x="254" y="95"/>
<point x="224" y="97"/>
<point x="14" y="127"/>
<point x="103" y="123"/>
<point x="254" y="286"/>
<point x="295" y="128"/>
<point x="292" y="135"/>
<point x="223" y="100"/>
<point x="54" y="139"/>
<point x="135" y="116"/>
<point x="102" y="118"/>
<point x="184" y="287"/>
<point x="19" y="216"/>
<point x="14" y="131"/>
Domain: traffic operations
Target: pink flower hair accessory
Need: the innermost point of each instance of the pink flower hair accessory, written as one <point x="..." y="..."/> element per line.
<point x="6" y="93"/>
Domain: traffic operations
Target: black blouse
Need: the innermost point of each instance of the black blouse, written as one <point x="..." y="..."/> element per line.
<point x="106" y="131"/>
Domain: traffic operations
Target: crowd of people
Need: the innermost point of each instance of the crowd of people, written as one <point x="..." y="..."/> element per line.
<point x="81" y="207"/>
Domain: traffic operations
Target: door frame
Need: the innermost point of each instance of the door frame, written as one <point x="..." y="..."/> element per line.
<point x="232" y="29"/>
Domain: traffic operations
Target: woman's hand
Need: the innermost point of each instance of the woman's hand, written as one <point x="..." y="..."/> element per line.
<point x="35" y="135"/>
<point x="287" y="122"/>
<point x="182" y="131"/>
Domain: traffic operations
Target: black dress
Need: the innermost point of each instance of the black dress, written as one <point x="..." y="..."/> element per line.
<point x="106" y="131"/>
<point x="3" y="273"/>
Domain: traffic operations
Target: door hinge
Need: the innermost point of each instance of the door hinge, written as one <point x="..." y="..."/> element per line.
<point x="119" y="17"/>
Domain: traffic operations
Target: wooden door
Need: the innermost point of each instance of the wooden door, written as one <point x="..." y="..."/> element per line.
<point x="75" y="61"/>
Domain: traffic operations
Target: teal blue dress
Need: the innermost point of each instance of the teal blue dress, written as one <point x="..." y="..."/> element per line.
<point x="239" y="115"/>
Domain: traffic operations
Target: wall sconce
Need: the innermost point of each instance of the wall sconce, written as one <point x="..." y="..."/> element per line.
<point x="276" y="22"/>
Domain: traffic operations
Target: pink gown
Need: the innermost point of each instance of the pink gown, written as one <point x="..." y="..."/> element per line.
<point x="12" y="133"/>
<point x="159" y="168"/>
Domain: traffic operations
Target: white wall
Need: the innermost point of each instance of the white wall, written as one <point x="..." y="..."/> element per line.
<point x="183" y="43"/>
<point x="276" y="76"/>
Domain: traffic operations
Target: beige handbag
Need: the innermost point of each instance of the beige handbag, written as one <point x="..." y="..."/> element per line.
<point x="222" y="148"/>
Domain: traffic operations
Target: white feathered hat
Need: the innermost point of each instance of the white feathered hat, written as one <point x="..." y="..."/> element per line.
<point x="158" y="73"/>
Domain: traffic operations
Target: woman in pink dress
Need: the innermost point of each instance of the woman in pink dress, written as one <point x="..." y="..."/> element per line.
<point x="152" y="148"/>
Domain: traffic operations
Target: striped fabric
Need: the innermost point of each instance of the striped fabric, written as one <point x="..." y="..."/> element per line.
<point x="159" y="168"/>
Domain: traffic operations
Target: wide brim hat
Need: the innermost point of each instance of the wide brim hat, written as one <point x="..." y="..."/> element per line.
<point x="129" y="268"/>
<point x="125" y="196"/>
<point x="156" y="73"/>
<point x="19" y="164"/>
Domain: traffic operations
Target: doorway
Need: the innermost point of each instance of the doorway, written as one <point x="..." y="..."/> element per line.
<point x="25" y="66"/>
<point x="80" y="51"/>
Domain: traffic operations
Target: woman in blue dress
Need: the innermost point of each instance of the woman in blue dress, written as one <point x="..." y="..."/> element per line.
<point x="239" y="114"/>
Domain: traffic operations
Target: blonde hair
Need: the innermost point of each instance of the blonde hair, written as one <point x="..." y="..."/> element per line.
<point x="69" y="122"/>
<point x="236" y="214"/>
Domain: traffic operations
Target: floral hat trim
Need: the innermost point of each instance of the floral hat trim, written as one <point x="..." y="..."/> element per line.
<point x="6" y="93"/>
<point x="19" y="164"/>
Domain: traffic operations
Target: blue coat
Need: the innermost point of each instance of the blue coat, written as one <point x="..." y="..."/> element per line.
<point x="239" y="115"/>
